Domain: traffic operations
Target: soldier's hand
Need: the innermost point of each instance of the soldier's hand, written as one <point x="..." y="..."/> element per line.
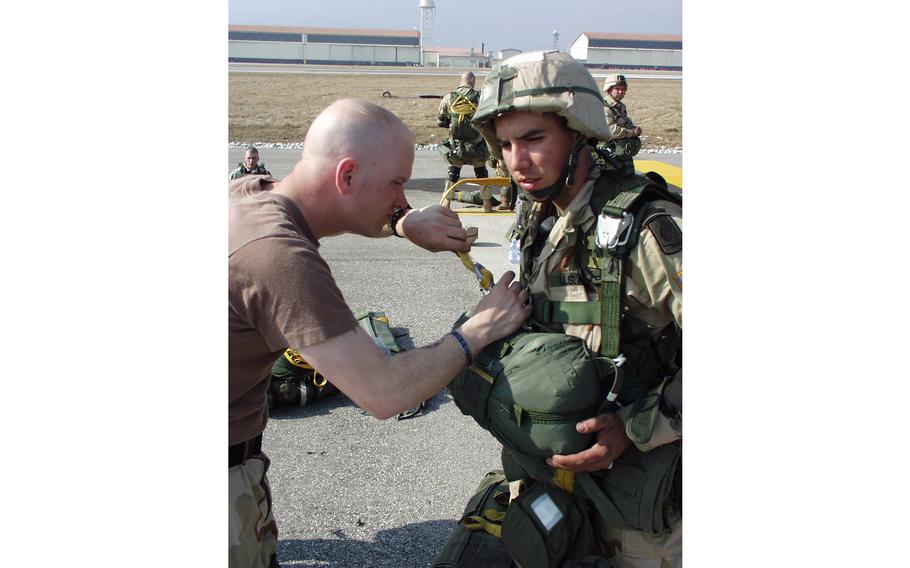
<point x="638" y="130"/>
<point x="435" y="228"/>
<point x="611" y="442"/>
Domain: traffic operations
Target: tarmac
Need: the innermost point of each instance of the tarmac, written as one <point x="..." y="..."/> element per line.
<point x="353" y="491"/>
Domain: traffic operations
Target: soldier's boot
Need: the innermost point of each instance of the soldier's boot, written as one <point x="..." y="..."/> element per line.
<point x="507" y="199"/>
<point x="505" y="203"/>
<point x="487" y="194"/>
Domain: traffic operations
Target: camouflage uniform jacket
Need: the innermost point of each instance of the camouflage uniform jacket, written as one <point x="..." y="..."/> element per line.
<point x="653" y="285"/>
<point x="243" y="171"/>
<point x="618" y="120"/>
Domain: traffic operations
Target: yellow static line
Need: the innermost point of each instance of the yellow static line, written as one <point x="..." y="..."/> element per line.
<point x="495" y="213"/>
<point x="672" y="174"/>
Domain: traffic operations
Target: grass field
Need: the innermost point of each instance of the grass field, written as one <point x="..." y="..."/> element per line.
<point x="275" y="107"/>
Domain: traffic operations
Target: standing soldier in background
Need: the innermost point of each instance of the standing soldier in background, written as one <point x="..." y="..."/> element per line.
<point x="464" y="146"/>
<point x="250" y="165"/>
<point x="626" y="136"/>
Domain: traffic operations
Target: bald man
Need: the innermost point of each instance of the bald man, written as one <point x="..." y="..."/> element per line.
<point x="356" y="160"/>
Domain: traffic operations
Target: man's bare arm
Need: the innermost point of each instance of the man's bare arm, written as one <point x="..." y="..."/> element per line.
<point x="385" y="386"/>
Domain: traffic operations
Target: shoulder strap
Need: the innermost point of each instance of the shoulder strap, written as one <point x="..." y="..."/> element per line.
<point x="617" y="195"/>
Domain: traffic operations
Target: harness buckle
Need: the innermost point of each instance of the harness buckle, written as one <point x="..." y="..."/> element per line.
<point x="612" y="231"/>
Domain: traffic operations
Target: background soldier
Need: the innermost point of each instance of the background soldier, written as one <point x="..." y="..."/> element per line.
<point x="250" y="165"/>
<point x="617" y="298"/>
<point x="464" y="146"/>
<point x="626" y="136"/>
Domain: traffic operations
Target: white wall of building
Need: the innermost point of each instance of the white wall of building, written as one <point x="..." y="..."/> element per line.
<point x="265" y="49"/>
<point x="619" y="57"/>
<point x="579" y="49"/>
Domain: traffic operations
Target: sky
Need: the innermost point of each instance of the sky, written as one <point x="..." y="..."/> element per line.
<point x="474" y="23"/>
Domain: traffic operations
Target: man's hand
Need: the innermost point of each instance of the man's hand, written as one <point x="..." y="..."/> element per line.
<point x="638" y="130"/>
<point x="611" y="443"/>
<point x="501" y="312"/>
<point x="434" y="228"/>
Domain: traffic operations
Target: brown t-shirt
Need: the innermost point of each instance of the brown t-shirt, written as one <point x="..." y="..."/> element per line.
<point x="281" y="294"/>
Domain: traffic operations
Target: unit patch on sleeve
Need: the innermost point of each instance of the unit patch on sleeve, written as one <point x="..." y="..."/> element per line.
<point x="667" y="233"/>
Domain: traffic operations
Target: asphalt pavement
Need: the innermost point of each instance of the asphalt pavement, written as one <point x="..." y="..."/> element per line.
<point x="353" y="491"/>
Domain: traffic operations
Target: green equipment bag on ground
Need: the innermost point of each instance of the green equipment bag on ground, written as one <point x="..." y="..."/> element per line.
<point x="294" y="381"/>
<point x="476" y="541"/>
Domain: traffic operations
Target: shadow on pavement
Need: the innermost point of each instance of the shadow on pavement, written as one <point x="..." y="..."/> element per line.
<point x="415" y="545"/>
<point x="435" y="185"/>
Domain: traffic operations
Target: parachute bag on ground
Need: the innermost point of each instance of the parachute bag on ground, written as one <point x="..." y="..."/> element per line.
<point x="294" y="381"/>
<point x="473" y="542"/>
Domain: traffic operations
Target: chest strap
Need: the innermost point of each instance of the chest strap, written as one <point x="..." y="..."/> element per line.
<point x="567" y="312"/>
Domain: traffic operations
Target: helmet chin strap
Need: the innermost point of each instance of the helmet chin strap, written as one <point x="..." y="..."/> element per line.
<point x="565" y="180"/>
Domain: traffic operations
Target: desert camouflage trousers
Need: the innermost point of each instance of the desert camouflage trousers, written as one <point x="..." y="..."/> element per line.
<point x="252" y="533"/>
<point x="637" y="549"/>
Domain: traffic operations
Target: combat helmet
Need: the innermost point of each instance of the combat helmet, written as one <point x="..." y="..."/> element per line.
<point x="613" y="80"/>
<point x="542" y="81"/>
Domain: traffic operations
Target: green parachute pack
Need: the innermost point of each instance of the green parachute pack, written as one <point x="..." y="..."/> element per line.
<point x="465" y="146"/>
<point x="529" y="391"/>
<point x="461" y="109"/>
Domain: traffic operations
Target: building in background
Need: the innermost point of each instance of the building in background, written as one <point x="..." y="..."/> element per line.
<point x="628" y="51"/>
<point x="455" y="57"/>
<point x="506" y="53"/>
<point x="322" y="46"/>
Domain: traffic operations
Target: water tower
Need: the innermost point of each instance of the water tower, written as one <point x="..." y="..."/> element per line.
<point x="555" y="40"/>
<point x="427" y="18"/>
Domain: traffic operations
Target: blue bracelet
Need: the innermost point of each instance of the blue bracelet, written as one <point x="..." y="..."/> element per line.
<point x="464" y="345"/>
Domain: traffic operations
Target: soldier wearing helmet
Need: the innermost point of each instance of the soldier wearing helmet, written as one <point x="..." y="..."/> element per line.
<point x="626" y="136"/>
<point x="601" y="254"/>
<point x="464" y="146"/>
